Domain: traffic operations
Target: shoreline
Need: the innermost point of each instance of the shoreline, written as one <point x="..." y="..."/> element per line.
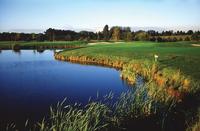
<point x="153" y="75"/>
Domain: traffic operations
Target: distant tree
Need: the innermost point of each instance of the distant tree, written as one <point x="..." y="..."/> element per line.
<point x="50" y="34"/>
<point x="99" y="36"/>
<point x="142" y="35"/>
<point x="17" y="36"/>
<point x="180" y="39"/>
<point x="174" y="39"/>
<point x="168" y="39"/>
<point x="190" y="32"/>
<point x="159" y="39"/>
<point x="152" y="32"/>
<point x="116" y="33"/>
<point x="33" y="36"/>
<point x="187" y="38"/>
<point x="40" y="37"/>
<point x="86" y="35"/>
<point x="68" y="37"/>
<point x="129" y="36"/>
<point x="125" y="32"/>
<point x="106" y="33"/>
<point x="167" y="33"/>
<point x="152" y="38"/>
<point x="177" y="33"/>
<point x="195" y="37"/>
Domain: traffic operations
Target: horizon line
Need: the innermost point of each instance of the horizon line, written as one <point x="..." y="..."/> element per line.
<point x="99" y="29"/>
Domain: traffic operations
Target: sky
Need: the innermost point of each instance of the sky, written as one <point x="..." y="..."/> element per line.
<point x="39" y="15"/>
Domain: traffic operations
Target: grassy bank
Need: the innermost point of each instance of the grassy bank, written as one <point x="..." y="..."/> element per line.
<point x="44" y="45"/>
<point x="179" y="55"/>
<point x="174" y="76"/>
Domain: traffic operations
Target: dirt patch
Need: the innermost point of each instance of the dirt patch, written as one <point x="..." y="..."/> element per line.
<point x="197" y="45"/>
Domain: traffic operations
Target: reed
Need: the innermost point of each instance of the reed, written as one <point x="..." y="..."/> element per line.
<point x="93" y="117"/>
<point x="196" y="123"/>
<point x="103" y="115"/>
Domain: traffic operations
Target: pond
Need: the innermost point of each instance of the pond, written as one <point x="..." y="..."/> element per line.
<point x="31" y="81"/>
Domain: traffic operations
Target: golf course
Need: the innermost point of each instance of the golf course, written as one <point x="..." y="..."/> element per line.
<point x="99" y="65"/>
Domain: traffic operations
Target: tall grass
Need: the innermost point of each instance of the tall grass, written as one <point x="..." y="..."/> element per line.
<point x="105" y="115"/>
<point x="196" y="123"/>
<point x="92" y="117"/>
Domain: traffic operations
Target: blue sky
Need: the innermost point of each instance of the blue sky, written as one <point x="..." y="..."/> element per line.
<point x="94" y="14"/>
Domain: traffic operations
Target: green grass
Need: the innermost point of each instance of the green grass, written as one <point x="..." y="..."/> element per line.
<point x="35" y="44"/>
<point x="178" y="55"/>
<point x="176" y="73"/>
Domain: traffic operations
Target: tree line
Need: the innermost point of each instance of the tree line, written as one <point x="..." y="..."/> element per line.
<point x="115" y="33"/>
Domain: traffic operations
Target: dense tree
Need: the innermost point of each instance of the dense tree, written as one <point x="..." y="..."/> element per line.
<point x="40" y="37"/>
<point x="195" y="37"/>
<point x="50" y="34"/>
<point x="99" y="36"/>
<point x="142" y="35"/>
<point x="17" y="36"/>
<point x="152" y="33"/>
<point x="86" y="35"/>
<point x="116" y="33"/>
<point x="106" y="33"/>
<point x="180" y="39"/>
<point x="33" y="36"/>
<point x="167" y="33"/>
<point x="129" y="36"/>
<point x="190" y="32"/>
<point x="152" y="38"/>
<point x="187" y="38"/>
<point x="159" y="39"/>
<point x="125" y="33"/>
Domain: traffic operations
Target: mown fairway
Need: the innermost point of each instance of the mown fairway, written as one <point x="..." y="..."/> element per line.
<point x="178" y="55"/>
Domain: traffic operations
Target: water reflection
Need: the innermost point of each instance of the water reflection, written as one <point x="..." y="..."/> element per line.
<point x="34" y="51"/>
<point x="17" y="52"/>
<point x="40" y="50"/>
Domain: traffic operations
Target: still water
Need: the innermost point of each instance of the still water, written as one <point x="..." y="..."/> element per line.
<point x="30" y="82"/>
